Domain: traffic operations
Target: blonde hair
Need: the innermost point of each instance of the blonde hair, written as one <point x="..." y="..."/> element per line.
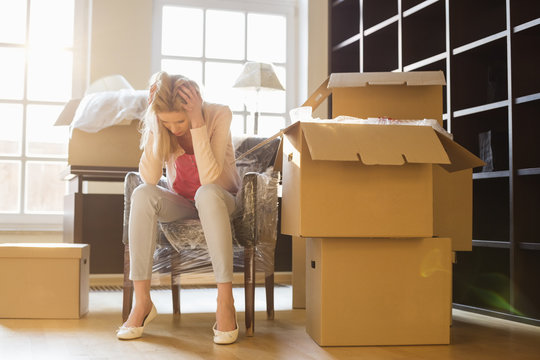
<point x="164" y="97"/>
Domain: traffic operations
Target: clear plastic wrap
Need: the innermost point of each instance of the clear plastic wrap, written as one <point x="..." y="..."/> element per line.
<point x="304" y="114"/>
<point x="181" y="246"/>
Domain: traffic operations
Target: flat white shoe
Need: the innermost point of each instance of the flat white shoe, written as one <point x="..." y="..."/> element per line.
<point x="133" y="332"/>
<point x="225" y="337"/>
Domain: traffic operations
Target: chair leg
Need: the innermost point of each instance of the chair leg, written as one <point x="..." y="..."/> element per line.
<point x="175" y="282"/>
<point x="269" y="289"/>
<point x="249" y="289"/>
<point x="127" y="286"/>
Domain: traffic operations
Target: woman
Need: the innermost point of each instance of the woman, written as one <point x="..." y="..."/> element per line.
<point x="192" y="138"/>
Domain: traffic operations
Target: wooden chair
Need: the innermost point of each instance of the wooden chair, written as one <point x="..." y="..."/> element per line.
<point x="181" y="246"/>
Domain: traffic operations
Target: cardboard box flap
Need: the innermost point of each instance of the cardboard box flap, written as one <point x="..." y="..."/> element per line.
<point x="373" y="144"/>
<point x="460" y="158"/>
<point x="68" y="113"/>
<point x="415" y="78"/>
<point x="318" y="95"/>
<point x="41" y="250"/>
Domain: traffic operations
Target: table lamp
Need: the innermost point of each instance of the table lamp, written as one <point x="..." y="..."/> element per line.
<point x="257" y="77"/>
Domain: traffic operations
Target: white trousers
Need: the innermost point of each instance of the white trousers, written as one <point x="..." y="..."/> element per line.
<point x="150" y="203"/>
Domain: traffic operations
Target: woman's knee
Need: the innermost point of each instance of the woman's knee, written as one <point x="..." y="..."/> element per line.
<point x="209" y="193"/>
<point x="143" y="193"/>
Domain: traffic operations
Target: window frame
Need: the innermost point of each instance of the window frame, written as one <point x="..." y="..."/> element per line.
<point x="287" y="8"/>
<point x="31" y="221"/>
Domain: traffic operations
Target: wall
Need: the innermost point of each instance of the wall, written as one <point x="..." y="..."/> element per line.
<point x="317" y="50"/>
<point x="121" y="40"/>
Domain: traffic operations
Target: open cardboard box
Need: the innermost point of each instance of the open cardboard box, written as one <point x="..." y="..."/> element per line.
<point x="353" y="180"/>
<point x="114" y="146"/>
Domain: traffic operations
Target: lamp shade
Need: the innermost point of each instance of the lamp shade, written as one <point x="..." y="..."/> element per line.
<point x="257" y="76"/>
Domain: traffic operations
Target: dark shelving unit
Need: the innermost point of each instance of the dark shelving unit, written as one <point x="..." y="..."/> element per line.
<point x="489" y="53"/>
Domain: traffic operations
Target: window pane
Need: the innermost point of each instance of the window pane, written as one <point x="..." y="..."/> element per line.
<point x="42" y="137"/>
<point x="12" y="21"/>
<point x="10" y="173"/>
<point x="12" y="73"/>
<point x="51" y="23"/>
<point x="267" y="38"/>
<point x="182" y="32"/>
<point x="274" y="101"/>
<point x="49" y="75"/>
<point x="44" y="187"/>
<point x="191" y="69"/>
<point x="237" y="125"/>
<point x="225" y="33"/>
<point x="219" y="79"/>
<point x="269" y="125"/>
<point x="10" y="129"/>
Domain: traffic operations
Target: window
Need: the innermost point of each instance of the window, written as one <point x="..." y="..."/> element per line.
<point x="209" y="41"/>
<point x="36" y="80"/>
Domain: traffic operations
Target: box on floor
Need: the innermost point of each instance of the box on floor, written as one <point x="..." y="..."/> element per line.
<point x="373" y="291"/>
<point x="42" y="281"/>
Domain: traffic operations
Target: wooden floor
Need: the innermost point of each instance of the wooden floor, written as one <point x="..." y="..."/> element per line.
<point x="189" y="336"/>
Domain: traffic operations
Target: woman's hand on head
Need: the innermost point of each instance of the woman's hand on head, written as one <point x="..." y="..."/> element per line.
<point x="193" y="105"/>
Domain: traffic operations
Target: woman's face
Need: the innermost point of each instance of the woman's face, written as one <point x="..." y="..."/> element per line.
<point x="176" y="122"/>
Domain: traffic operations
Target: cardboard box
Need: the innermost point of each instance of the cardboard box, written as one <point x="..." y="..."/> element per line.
<point x="114" y="146"/>
<point x="352" y="180"/>
<point x="41" y="281"/>
<point x="378" y="291"/>
<point x="298" y="272"/>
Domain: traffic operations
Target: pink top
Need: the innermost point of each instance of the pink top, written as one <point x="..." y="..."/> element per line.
<point x="187" y="180"/>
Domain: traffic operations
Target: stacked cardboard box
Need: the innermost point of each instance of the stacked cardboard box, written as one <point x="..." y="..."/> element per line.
<point x="381" y="209"/>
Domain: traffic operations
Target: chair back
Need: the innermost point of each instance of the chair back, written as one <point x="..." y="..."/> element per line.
<point x="259" y="160"/>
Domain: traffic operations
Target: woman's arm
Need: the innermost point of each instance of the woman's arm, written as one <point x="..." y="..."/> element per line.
<point x="150" y="166"/>
<point x="210" y="149"/>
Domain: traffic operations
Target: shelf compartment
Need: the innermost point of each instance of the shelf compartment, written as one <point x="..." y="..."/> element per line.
<point x="527" y="205"/>
<point x="409" y="4"/>
<point x="528" y="172"/>
<point x="491" y="244"/>
<point x="527" y="291"/>
<point x="468" y="130"/>
<point x="482" y="279"/>
<point x="378" y="57"/>
<point x="440" y="64"/>
<point x="527" y="25"/>
<point x="525" y="60"/>
<point x="491" y="209"/>
<point x="346" y="59"/>
<point x="491" y="175"/>
<point x="474" y="20"/>
<point x="424" y="34"/>
<point x="480" y="75"/>
<point x="381" y="25"/>
<point x="522" y="11"/>
<point x="526" y="128"/>
<point x="412" y="7"/>
<point x="527" y="98"/>
<point x="377" y="11"/>
<point x="345" y="21"/>
<point x="530" y="246"/>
